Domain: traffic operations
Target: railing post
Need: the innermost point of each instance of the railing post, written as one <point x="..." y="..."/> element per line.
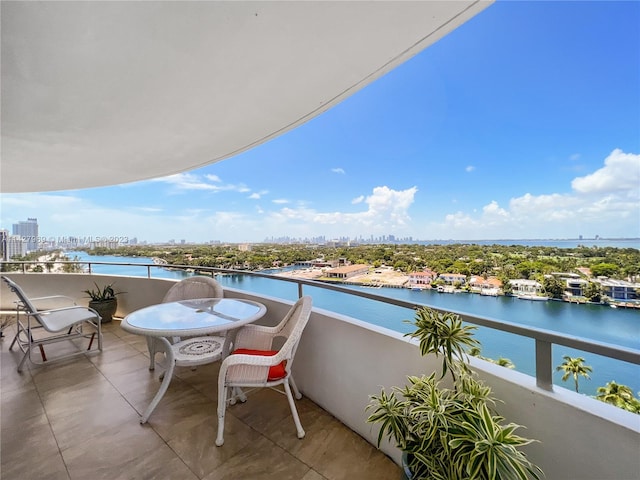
<point x="543" y="365"/>
<point x="299" y="290"/>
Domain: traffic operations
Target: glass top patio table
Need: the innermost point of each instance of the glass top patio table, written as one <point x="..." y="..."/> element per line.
<point x="193" y="317"/>
<point x="196" y="319"/>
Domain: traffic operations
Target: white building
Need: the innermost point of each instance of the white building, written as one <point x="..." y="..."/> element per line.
<point x="28" y="230"/>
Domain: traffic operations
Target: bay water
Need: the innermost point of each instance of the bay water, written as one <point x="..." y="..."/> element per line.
<point x="595" y="322"/>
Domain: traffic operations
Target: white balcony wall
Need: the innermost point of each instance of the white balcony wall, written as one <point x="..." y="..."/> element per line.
<point x="341" y="361"/>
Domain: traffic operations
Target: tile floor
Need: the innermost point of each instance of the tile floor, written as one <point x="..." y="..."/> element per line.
<point x="79" y="419"/>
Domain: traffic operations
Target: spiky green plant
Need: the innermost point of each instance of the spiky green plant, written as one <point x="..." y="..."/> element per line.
<point x="444" y="334"/>
<point x="102" y="294"/>
<point x="449" y="433"/>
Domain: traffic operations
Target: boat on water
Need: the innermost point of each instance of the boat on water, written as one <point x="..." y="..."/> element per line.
<point x="491" y="292"/>
<point x="538" y="298"/>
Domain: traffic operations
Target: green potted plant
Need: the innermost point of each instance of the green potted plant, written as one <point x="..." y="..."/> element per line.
<point x="103" y="300"/>
<point x="449" y="433"/>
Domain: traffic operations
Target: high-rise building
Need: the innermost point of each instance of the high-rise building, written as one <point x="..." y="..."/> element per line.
<point x="11" y="246"/>
<point x="3" y="244"/>
<point x="28" y="230"/>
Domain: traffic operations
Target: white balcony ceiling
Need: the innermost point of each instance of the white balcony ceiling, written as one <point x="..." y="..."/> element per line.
<point x="102" y="93"/>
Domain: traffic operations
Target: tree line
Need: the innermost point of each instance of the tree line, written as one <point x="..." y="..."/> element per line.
<point x="511" y="261"/>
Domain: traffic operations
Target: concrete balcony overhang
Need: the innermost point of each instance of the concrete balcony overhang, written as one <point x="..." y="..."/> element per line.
<point x="106" y="93"/>
<point x="341" y="361"/>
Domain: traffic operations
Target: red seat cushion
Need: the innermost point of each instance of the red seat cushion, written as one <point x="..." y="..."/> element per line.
<point x="276" y="372"/>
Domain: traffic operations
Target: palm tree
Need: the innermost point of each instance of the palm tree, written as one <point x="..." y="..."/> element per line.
<point x="619" y="395"/>
<point x="504" y="362"/>
<point x="574" y="367"/>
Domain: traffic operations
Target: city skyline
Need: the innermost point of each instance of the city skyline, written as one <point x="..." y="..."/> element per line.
<point x="497" y="131"/>
<point x="25" y="238"/>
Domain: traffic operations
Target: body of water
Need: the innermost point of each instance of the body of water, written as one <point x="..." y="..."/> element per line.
<point x="596" y="322"/>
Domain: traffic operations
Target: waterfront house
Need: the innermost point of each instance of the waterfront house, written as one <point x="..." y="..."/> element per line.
<point x="347" y="271"/>
<point x="486" y="286"/>
<point x="575" y="286"/>
<point x="523" y="286"/>
<point x="453" y="278"/>
<point x="421" y="279"/>
<point x="620" y="290"/>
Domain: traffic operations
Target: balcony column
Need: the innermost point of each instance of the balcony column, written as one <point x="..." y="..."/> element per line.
<point x="544" y="369"/>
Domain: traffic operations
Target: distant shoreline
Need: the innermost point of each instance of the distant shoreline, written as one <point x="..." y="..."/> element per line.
<point x="549" y="242"/>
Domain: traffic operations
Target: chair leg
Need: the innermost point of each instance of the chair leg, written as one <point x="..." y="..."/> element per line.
<point x="42" y="354"/>
<point x="296" y="392"/>
<point x="13" y="342"/>
<point x="27" y="353"/>
<point x="91" y="341"/>
<point x="151" y="345"/>
<point x="294" y="410"/>
<point x="222" y="406"/>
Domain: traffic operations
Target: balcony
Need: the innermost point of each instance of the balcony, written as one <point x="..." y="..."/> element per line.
<point x="82" y="415"/>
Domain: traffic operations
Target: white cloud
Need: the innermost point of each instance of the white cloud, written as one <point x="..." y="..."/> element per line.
<point x="387" y="211"/>
<point x="621" y="172"/>
<point x="469" y="169"/>
<point x="606" y="202"/>
<point x="258" y="195"/>
<point x="183" y="182"/>
<point x="338" y="170"/>
<point x="148" y="209"/>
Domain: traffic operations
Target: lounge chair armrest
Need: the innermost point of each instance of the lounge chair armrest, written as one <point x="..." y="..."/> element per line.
<point x="63" y="309"/>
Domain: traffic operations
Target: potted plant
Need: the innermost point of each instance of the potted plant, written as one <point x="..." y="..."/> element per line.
<point x="449" y="433"/>
<point x="104" y="301"/>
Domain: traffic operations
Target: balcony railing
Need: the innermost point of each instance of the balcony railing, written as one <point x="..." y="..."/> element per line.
<point x="544" y="339"/>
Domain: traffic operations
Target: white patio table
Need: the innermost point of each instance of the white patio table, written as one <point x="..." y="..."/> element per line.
<point x="195" y="319"/>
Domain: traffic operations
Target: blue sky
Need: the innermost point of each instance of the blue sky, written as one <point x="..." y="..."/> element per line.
<point x="522" y="123"/>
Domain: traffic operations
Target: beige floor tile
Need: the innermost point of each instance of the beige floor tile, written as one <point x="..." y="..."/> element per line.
<point x="91" y="419"/>
<point x="138" y="453"/>
<point x="261" y="460"/>
<point x="196" y="446"/>
<point x="313" y="475"/>
<point x="21" y="435"/>
<point x="82" y="417"/>
<point x="19" y="405"/>
<point x="48" y="467"/>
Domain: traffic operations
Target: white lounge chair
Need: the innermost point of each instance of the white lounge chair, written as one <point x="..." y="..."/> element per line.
<point x="36" y="328"/>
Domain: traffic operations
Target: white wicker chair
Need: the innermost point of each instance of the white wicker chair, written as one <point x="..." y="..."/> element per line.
<point x="194" y="287"/>
<point x="60" y="324"/>
<point x="254" y="363"/>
